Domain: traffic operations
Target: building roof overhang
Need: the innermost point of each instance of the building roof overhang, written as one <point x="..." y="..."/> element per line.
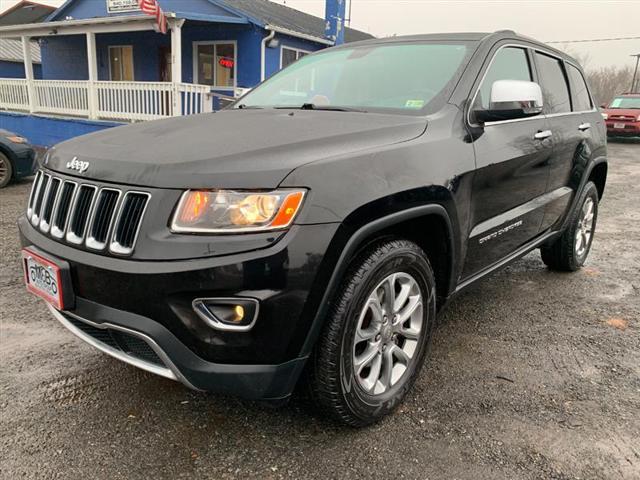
<point x="122" y="23"/>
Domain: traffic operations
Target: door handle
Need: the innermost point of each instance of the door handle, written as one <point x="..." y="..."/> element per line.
<point x="543" y="134"/>
<point x="584" y="126"/>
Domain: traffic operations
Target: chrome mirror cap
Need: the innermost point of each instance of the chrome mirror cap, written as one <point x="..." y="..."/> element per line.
<point x="511" y="99"/>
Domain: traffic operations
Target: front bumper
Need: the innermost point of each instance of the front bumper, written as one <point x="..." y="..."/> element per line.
<point x="151" y="301"/>
<point x="631" y="129"/>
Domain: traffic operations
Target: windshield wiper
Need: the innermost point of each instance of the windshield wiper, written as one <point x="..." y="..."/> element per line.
<point x="328" y="108"/>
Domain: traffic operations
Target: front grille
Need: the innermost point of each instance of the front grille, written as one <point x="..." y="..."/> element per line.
<point x="117" y="340"/>
<point x="84" y="214"/>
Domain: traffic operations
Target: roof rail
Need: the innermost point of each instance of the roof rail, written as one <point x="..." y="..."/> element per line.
<point x="506" y="31"/>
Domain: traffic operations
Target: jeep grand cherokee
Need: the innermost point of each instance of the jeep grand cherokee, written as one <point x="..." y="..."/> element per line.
<point x="313" y="230"/>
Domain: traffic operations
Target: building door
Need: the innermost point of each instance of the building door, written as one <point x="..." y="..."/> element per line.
<point x="121" y="63"/>
<point x="165" y="64"/>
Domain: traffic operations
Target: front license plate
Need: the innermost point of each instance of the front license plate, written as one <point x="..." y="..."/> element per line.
<point x="43" y="278"/>
<point x="618" y="125"/>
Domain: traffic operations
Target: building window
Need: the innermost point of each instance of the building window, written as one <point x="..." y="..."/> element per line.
<point x="215" y="64"/>
<point x="290" y="55"/>
<point x="121" y="63"/>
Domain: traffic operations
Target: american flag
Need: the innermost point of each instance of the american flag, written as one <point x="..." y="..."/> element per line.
<point x="151" y="7"/>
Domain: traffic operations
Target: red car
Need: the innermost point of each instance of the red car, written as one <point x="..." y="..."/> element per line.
<point x="623" y="116"/>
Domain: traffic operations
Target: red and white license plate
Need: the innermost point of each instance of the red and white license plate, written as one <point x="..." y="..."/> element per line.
<point x="43" y="278"/>
<point x="618" y="125"/>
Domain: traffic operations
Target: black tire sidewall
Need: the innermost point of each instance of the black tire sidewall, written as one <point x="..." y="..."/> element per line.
<point x="366" y="407"/>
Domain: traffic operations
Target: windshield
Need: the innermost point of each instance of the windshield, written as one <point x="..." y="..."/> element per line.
<point x="397" y="78"/>
<point x="625" y="102"/>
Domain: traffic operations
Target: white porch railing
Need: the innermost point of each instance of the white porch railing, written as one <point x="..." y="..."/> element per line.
<point x="124" y="101"/>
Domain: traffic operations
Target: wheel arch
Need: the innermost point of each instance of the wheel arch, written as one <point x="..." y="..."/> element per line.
<point x="407" y="223"/>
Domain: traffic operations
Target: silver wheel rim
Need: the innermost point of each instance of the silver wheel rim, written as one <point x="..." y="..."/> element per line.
<point x="4" y="171"/>
<point x="585" y="227"/>
<point x="387" y="334"/>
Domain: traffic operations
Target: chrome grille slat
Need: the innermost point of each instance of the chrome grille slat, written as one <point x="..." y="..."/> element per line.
<point x="127" y="225"/>
<point x="84" y="214"/>
<point x="32" y="195"/>
<point x="61" y="213"/>
<point x="77" y="225"/>
<point x="49" y="204"/>
<point x="37" y="207"/>
<point x="102" y="219"/>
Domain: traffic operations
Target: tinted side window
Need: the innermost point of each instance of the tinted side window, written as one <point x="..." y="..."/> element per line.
<point x="553" y="83"/>
<point x="581" y="99"/>
<point x="508" y="64"/>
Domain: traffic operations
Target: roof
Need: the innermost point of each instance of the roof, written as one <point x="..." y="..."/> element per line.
<point x="273" y="14"/>
<point x="11" y="50"/>
<point x="25" y="11"/>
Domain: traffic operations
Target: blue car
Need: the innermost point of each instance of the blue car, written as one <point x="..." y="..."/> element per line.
<point x="17" y="157"/>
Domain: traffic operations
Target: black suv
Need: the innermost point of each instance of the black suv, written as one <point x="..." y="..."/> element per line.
<point x="314" y="229"/>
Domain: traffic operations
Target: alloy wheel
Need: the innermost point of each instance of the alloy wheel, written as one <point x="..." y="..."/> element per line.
<point x="585" y="227"/>
<point x="390" y="327"/>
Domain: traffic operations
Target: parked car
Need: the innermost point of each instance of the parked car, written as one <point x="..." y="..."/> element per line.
<point x="312" y="231"/>
<point x="17" y="157"/>
<point x="622" y="115"/>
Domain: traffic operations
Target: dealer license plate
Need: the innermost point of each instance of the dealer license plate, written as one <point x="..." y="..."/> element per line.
<point x="43" y="278"/>
<point x="618" y="125"/>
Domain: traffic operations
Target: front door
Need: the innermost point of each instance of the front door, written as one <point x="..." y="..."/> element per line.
<point x="512" y="159"/>
<point x="165" y="64"/>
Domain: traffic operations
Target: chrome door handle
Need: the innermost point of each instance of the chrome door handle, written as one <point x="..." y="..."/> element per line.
<point x="543" y="134"/>
<point x="584" y="126"/>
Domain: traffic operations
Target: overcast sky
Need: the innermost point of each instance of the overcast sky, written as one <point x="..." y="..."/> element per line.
<point x="546" y="20"/>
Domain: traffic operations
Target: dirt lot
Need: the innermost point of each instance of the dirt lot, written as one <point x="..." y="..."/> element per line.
<point x="532" y="374"/>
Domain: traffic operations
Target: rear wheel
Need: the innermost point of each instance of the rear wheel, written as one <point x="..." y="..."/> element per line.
<point x="569" y="252"/>
<point x="377" y="334"/>
<point x="6" y="170"/>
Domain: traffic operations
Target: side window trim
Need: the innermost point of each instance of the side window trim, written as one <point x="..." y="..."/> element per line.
<point x="563" y="68"/>
<point x="485" y="69"/>
<point x="586" y="84"/>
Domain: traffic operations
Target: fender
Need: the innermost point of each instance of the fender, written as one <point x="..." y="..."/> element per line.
<point x="583" y="181"/>
<point x="350" y="249"/>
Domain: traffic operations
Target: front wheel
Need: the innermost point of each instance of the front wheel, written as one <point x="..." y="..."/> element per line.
<point x="377" y="334"/>
<point x="569" y="252"/>
<point x="6" y="170"/>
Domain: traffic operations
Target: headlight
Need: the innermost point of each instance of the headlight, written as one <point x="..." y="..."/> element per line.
<point x="605" y="116"/>
<point x="17" y="139"/>
<point x="228" y="211"/>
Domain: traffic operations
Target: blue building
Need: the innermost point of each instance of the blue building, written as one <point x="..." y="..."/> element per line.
<point x="105" y="60"/>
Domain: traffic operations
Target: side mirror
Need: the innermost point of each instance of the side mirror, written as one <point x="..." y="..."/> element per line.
<point x="604" y="105"/>
<point x="511" y="99"/>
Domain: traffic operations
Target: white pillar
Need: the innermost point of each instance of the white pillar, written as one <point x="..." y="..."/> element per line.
<point x="92" y="63"/>
<point x="28" y="72"/>
<point x="176" y="64"/>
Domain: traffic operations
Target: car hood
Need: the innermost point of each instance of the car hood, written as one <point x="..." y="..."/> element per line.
<point x="227" y="149"/>
<point x="623" y="112"/>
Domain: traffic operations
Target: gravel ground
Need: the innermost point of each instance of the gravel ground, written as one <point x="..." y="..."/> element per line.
<point x="532" y="374"/>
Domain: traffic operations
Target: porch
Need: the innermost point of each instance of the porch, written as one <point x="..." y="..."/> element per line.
<point x="121" y="69"/>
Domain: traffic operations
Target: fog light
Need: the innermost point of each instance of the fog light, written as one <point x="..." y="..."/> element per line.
<point x="227" y="314"/>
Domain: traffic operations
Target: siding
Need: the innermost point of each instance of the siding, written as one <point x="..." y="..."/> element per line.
<point x="16" y="70"/>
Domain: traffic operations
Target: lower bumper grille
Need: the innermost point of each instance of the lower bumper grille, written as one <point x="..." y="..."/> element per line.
<point x="124" y="342"/>
<point x="126" y="345"/>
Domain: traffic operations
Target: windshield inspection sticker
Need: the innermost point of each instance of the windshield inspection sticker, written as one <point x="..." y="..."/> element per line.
<point x="414" y="104"/>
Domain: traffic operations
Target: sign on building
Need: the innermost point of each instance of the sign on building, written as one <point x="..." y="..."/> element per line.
<point x="118" y="6"/>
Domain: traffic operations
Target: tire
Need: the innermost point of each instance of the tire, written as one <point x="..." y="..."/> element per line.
<point x="336" y="385"/>
<point x="6" y="170"/>
<point x="569" y="251"/>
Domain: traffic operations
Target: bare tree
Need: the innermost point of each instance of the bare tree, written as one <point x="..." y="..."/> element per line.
<point x="605" y="82"/>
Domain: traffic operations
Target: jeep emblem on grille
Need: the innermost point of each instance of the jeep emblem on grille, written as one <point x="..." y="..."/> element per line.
<point x="76" y="164"/>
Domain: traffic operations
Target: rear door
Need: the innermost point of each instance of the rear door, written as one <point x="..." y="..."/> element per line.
<point x="512" y="169"/>
<point x="570" y="131"/>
